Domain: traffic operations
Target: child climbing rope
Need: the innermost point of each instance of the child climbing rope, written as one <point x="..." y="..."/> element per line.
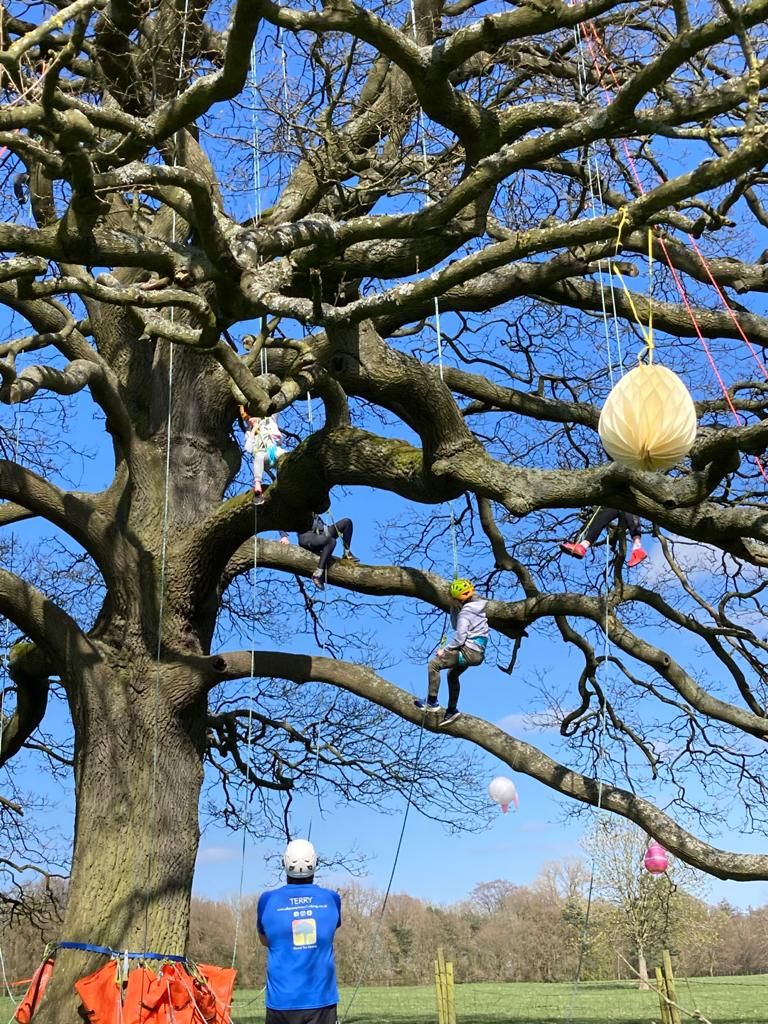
<point x="602" y="518"/>
<point x="322" y="540"/>
<point x="464" y="650"/>
<point x="262" y="437"/>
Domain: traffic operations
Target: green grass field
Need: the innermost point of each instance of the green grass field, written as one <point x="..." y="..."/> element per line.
<point x="720" y="1000"/>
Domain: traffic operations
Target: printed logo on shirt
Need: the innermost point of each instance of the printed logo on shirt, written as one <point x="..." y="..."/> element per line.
<point x="304" y="931"/>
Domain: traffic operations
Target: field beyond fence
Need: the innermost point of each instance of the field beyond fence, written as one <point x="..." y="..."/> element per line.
<point x="720" y="1000"/>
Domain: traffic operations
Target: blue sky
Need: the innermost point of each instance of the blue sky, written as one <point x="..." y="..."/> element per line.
<point x="433" y="865"/>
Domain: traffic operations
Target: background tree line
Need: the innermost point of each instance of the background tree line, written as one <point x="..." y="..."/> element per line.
<point x="500" y="932"/>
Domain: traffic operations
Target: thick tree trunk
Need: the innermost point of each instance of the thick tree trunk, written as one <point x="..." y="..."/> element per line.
<point x="138" y="777"/>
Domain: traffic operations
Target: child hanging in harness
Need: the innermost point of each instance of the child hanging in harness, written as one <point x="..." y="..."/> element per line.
<point x="602" y="518"/>
<point x="464" y="650"/>
<point x="262" y="437"/>
<point x="321" y="540"/>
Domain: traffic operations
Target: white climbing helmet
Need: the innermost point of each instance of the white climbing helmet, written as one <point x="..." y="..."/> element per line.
<point x="300" y="859"/>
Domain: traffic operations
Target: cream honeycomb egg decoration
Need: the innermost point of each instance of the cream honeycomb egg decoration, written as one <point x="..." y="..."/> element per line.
<point x="649" y="419"/>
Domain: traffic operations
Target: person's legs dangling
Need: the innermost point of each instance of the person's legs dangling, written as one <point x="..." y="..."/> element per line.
<point x="258" y="471"/>
<point x="632" y="523"/>
<point x="318" y="576"/>
<point x="343" y="528"/>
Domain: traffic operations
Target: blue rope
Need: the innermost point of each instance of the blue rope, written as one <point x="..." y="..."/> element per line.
<point x="87" y="947"/>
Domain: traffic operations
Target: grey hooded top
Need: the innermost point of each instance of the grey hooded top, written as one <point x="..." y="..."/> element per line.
<point x="469" y="621"/>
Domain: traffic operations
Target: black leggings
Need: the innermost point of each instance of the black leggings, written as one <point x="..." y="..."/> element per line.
<point x="604" y="516"/>
<point x="324" y="544"/>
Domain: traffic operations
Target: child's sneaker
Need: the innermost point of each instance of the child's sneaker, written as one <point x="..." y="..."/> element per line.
<point x="349" y="557"/>
<point x="317" y="579"/>
<point x="451" y="714"/>
<point x="426" y="705"/>
<point x="637" y="556"/>
<point x="573" y="548"/>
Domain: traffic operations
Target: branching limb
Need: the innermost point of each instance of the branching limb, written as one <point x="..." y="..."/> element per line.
<point x="518" y="755"/>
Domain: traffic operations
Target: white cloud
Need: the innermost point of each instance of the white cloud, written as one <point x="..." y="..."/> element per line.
<point x="525" y="722"/>
<point x="216" y="855"/>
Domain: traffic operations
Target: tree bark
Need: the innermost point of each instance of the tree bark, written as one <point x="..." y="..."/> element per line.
<point x="642" y="972"/>
<point x="138" y="777"/>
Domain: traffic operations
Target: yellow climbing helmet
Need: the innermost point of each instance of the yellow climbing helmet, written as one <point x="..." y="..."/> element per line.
<point x="461" y="590"/>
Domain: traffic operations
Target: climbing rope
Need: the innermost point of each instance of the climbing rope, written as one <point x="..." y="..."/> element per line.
<point x="255" y="134"/>
<point x="599" y="806"/>
<point x="592" y="39"/>
<point x="163" y="557"/>
<point x="316" y="807"/>
<point x="6" y="983"/>
<point x="5" y="649"/>
<point x="5" y="643"/>
<point x="599" y="209"/>
<point x="377" y="930"/>
<point x="246" y="808"/>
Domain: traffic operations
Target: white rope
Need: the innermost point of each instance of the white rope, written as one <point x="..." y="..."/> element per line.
<point x="5" y="980"/>
<point x="246" y="812"/>
<point x="422" y="134"/>
<point x="316" y="806"/>
<point x="163" y="556"/>
<point x="598" y="208"/>
<point x="256" y="155"/>
<point x="284" y="66"/>
<point x="596" y="196"/>
<point x="5" y="652"/>
<point x="599" y="807"/>
<point x="374" y="941"/>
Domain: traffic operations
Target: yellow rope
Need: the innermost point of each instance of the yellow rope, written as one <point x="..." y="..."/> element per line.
<point x="650" y="341"/>
<point x="647" y="332"/>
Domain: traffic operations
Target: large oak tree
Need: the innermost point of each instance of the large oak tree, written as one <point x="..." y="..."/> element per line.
<point x="208" y="205"/>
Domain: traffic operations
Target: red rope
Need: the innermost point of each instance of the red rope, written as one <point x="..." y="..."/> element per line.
<point x="590" y="27"/>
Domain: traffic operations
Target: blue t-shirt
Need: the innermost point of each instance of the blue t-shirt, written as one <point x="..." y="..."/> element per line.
<point x="299" y="923"/>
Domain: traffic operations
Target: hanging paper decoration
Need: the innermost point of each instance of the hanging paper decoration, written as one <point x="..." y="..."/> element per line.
<point x="656" y="859"/>
<point x="649" y="419"/>
<point x="502" y="791"/>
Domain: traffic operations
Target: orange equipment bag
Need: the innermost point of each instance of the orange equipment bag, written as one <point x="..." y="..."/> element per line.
<point x="173" y="996"/>
<point x="220" y="982"/>
<point x="33" y="995"/>
<point x="100" y="993"/>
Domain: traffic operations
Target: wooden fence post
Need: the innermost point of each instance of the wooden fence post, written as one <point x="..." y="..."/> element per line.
<point x="669" y="979"/>
<point x="450" y="1001"/>
<point x="446" y="1006"/>
<point x="662" y="990"/>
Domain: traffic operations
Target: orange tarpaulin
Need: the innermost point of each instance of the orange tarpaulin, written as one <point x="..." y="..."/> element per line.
<point x="221" y="983"/>
<point x="100" y="994"/>
<point x="174" y="996"/>
<point x="34" y="993"/>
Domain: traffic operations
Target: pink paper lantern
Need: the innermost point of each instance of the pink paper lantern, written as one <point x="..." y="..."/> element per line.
<point x="656" y="858"/>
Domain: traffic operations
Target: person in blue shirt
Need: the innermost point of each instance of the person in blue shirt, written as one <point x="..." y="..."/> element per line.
<point x="297" y="923"/>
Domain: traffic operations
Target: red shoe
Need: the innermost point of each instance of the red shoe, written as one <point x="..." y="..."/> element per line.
<point x="637" y="556"/>
<point x="573" y="548"/>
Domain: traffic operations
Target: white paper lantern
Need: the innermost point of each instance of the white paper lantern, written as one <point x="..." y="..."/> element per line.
<point x="502" y="791"/>
<point x="649" y="419"/>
